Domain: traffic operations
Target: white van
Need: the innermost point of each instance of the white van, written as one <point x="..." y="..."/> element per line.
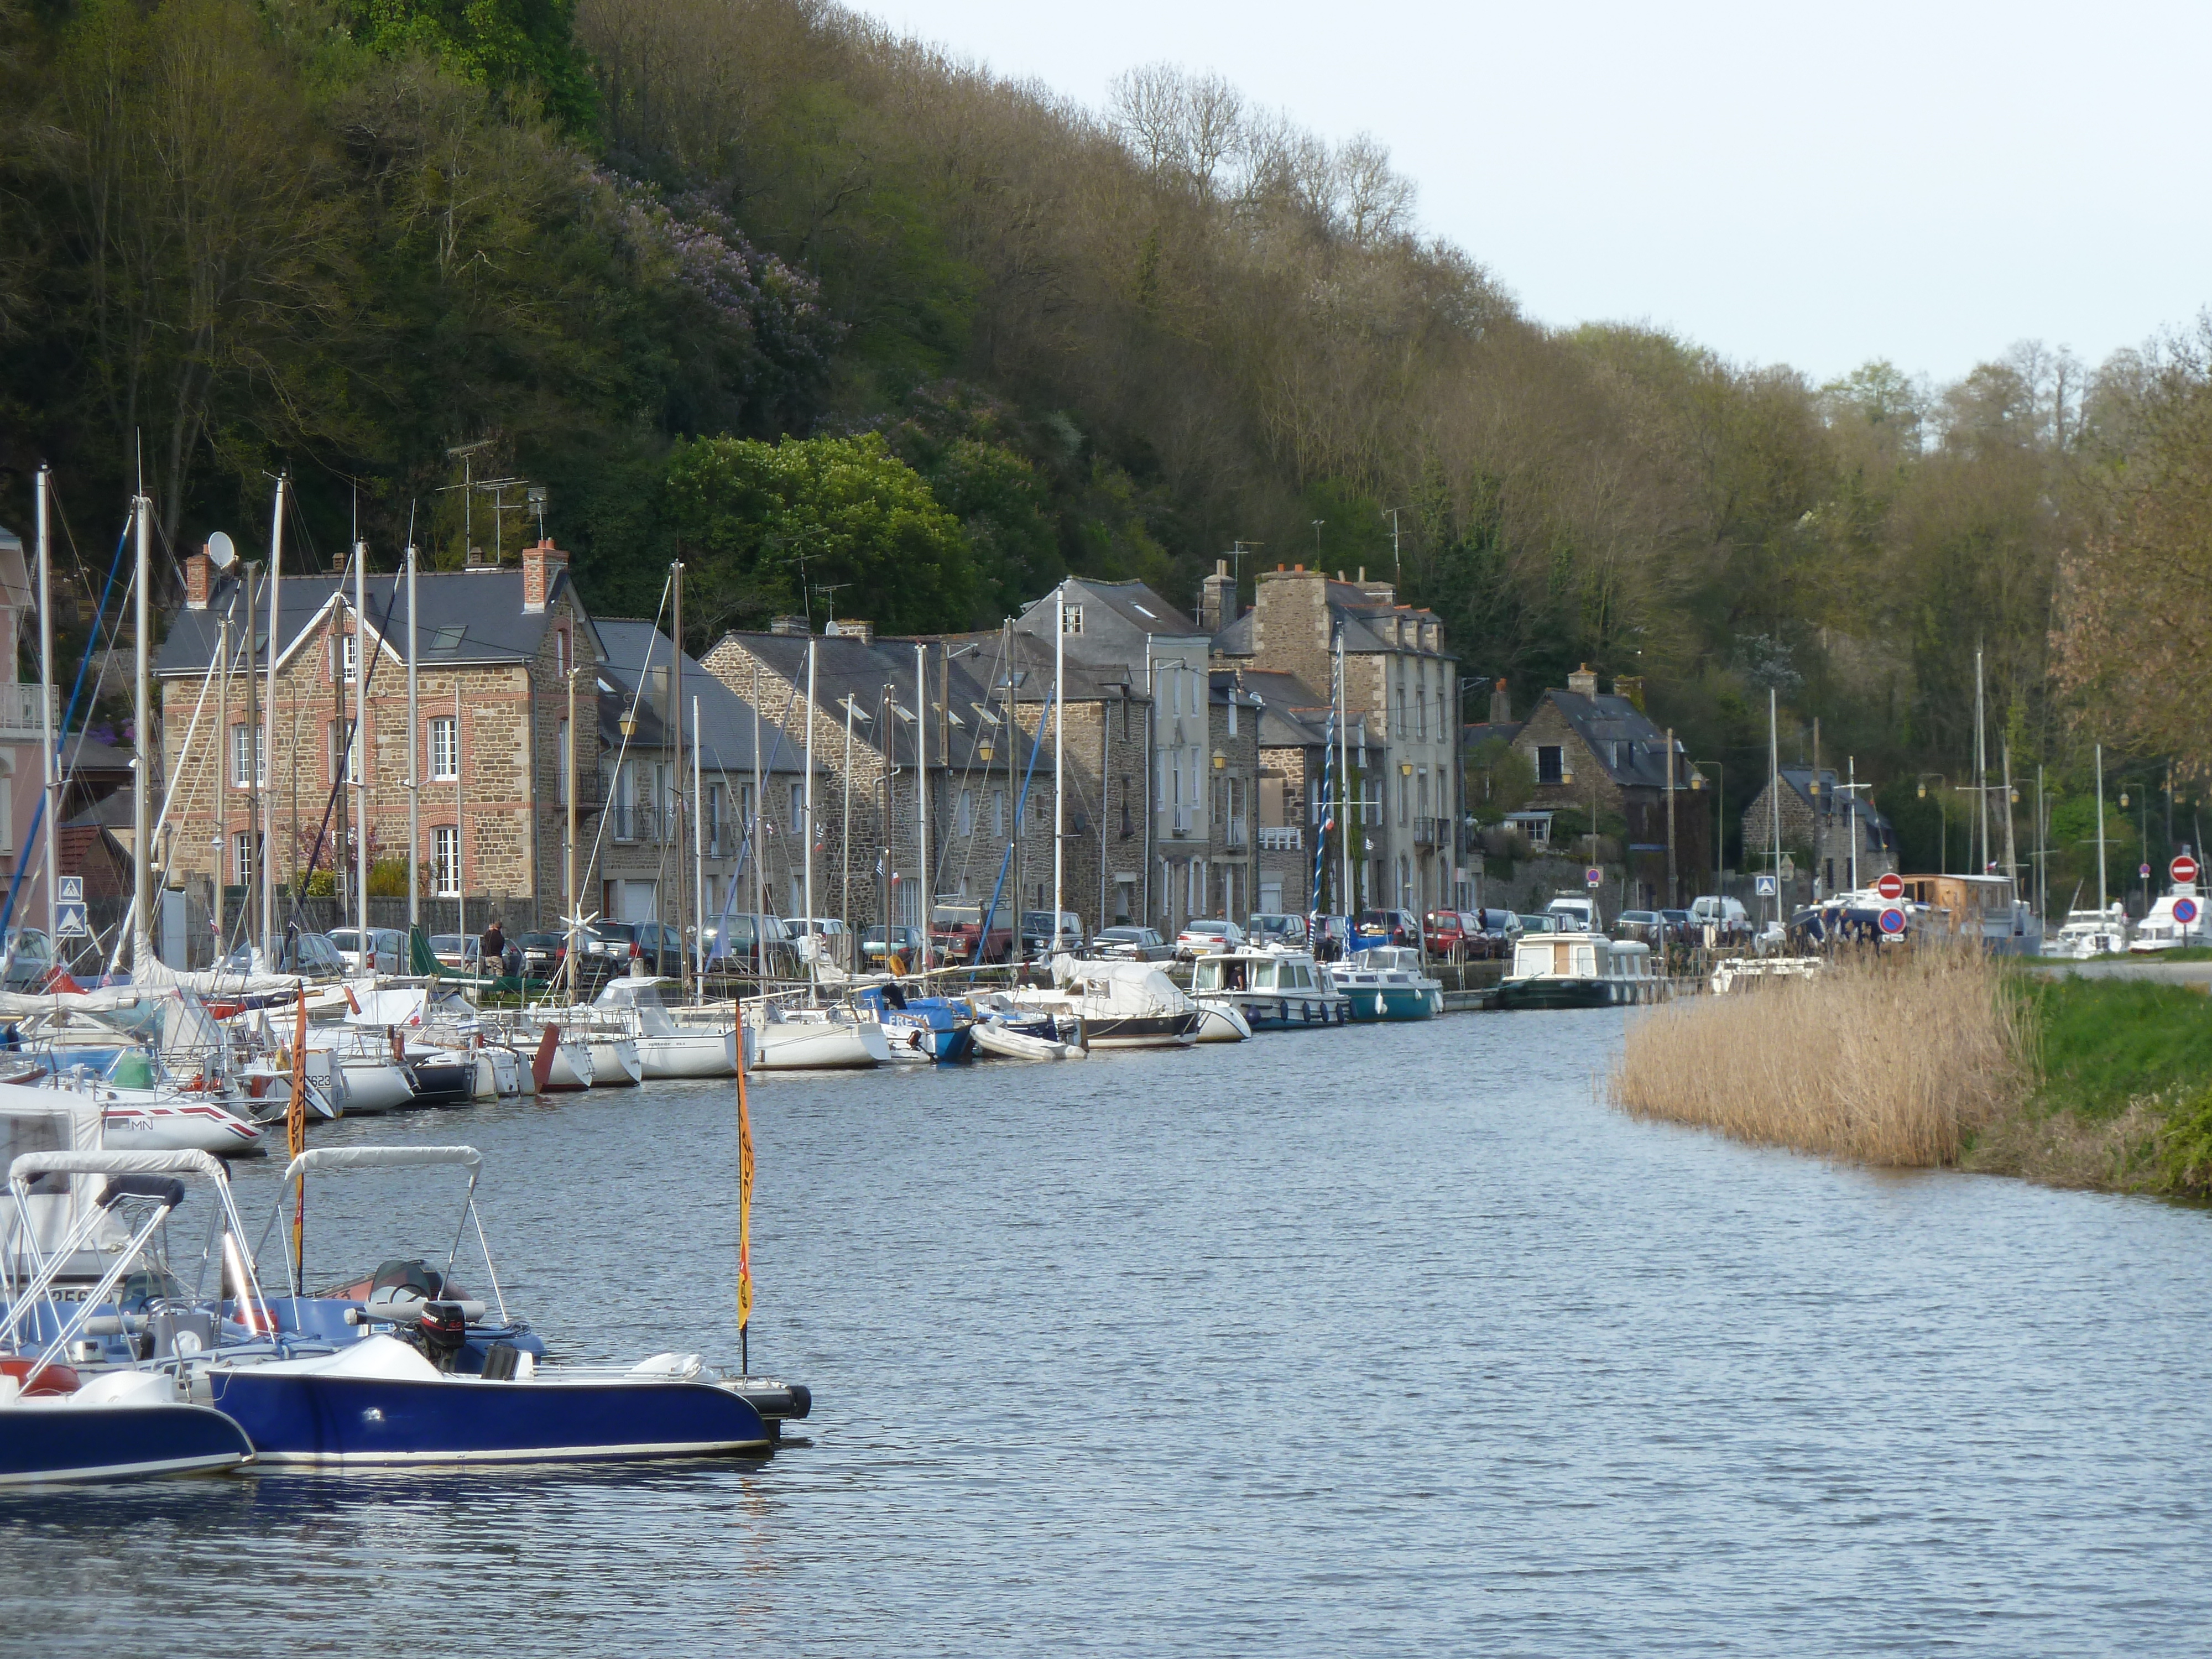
<point x="1576" y="914"/>
<point x="1728" y="915"/>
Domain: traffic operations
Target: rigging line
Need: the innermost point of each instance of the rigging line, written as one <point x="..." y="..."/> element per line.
<point x="365" y="669"/>
<point x="598" y="835"/>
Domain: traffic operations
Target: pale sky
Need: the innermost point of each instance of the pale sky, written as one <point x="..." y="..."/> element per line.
<point x="1818" y="186"/>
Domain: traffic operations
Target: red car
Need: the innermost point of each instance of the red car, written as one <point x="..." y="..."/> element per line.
<point x="1447" y="933"/>
<point x="956" y="929"/>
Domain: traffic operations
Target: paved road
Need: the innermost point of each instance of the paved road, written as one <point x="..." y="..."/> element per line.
<point x="2198" y="974"/>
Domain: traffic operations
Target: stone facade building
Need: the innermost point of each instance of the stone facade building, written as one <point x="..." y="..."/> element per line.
<point x="1401" y="696"/>
<point x="1820" y="831"/>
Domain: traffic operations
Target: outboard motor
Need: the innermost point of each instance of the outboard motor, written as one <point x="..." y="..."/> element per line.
<point x="443" y="1330"/>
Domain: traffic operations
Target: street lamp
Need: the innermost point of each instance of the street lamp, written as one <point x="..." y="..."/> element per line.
<point x="1942" y="821"/>
<point x="1720" y="810"/>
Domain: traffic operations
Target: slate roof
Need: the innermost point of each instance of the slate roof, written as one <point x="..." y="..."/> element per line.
<point x="1800" y="780"/>
<point x="1351" y="607"/>
<point x="1292" y="716"/>
<point x="849" y="667"/>
<point x="468" y="617"/>
<point x="1632" y="750"/>
<point x="632" y="649"/>
<point x="1473" y="737"/>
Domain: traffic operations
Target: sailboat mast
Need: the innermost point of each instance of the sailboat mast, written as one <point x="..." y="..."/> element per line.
<point x="249" y="878"/>
<point x="141" y="821"/>
<point x="414" y="773"/>
<point x="2101" y="830"/>
<point x="363" y="756"/>
<point x="813" y="961"/>
<point x="268" y="871"/>
<point x="760" y="867"/>
<point x="1059" y="756"/>
<point x="923" y="877"/>
<point x="568" y="847"/>
<point x="673" y="699"/>
<point x="1774" y="794"/>
<point x="222" y="737"/>
<point x="46" y="713"/>
<point x="1344" y="786"/>
<point x="698" y="857"/>
<point x="1981" y="771"/>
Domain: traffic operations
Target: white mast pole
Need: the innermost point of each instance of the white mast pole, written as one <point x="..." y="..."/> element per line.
<point x="2101" y="830"/>
<point x="1344" y="787"/>
<point x="361" y="753"/>
<point x="267" y="774"/>
<point x="813" y="959"/>
<point x="142" y="820"/>
<point x="414" y="768"/>
<point x="924" y="877"/>
<point x="760" y="867"/>
<point x="1981" y="771"/>
<point x="47" y="714"/>
<point x="698" y="854"/>
<point x="1774" y="794"/>
<point x="1059" y="756"/>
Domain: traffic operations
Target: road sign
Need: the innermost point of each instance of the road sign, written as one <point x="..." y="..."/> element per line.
<point x="2144" y="870"/>
<point x="1892" y="921"/>
<point x="1891" y="887"/>
<point x="2182" y="869"/>
<point x="69" y="920"/>
<point x="2184" y="911"/>
<point x="1594" y="877"/>
<point x="1763" y="886"/>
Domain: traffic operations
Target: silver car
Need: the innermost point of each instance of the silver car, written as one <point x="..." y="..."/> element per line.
<point x="387" y="945"/>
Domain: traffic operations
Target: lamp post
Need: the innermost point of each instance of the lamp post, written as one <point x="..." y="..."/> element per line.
<point x="1943" y="822"/>
<point x="1720" y="811"/>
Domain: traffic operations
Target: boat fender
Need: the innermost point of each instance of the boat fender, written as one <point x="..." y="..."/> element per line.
<point x="802" y="1402"/>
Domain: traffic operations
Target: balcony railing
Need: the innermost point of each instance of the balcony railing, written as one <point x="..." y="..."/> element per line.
<point x="1432" y="832"/>
<point x="1286" y="838"/>
<point x="20" y="713"/>
<point x="1236" y="835"/>
<point x="1179" y="821"/>
<point x="632" y="822"/>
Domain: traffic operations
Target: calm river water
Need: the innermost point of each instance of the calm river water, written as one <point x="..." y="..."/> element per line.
<point x="1372" y="1342"/>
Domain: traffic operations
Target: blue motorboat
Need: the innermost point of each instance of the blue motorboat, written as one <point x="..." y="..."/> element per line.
<point x="126" y="1423"/>
<point x="932" y="1028"/>
<point x="425" y="1378"/>
<point x="1387" y="983"/>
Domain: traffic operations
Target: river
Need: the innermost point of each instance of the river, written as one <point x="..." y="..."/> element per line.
<point x="1378" y="1342"/>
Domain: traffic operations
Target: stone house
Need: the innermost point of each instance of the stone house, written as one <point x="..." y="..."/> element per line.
<point x="1821" y="830"/>
<point x="1292" y="739"/>
<point x="1400" y="697"/>
<point x="22" y="740"/>
<point x="1170" y="869"/>
<point x="495" y="649"/>
<point x="1603" y="752"/>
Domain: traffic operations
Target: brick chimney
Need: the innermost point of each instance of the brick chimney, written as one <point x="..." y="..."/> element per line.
<point x="1217" y="603"/>
<point x="199" y="577"/>
<point x="850" y="627"/>
<point x="1629" y="686"/>
<point x="789" y="628"/>
<point x="1501" y="705"/>
<point x="1582" y="682"/>
<point x="539" y="566"/>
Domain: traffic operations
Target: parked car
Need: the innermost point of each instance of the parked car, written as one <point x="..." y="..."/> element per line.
<point x="1576" y="914"/>
<point x="1038" y="938"/>
<point x="1545" y="924"/>
<point x="879" y="943"/>
<point x="1731" y="919"/>
<point x="1132" y="945"/>
<point x="30" y="958"/>
<point x="1647" y="927"/>
<point x="1494" y="932"/>
<point x="311" y="955"/>
<point x="1386" y="927"/>
<point x="657" y="945"/>
<point x="387" y="945"/>
<point x="1266" y="928"/>
<point x="463" y="953"/>
<point x="820" y="936"/>
<point x="955" y="935"/>
<point x="1447" y="933"/>
<point x="1206" y="938"/>
<point x="1331" y="937"/>
<point x="751" y="938"/>
<point x="542" y="953"/>
<point x="1679" y="928"/>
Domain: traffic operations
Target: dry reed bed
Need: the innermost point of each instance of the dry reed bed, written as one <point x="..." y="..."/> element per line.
<point x="1891" y="1061"/>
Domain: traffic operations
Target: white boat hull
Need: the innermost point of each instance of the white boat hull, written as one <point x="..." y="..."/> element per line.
<point x="1220" y="1022"/>
<point x="812" y="1045"/>
<point x="374" y="1086"/>
<point x="172" y="1124"/>
<point x="615" y="1063"/>
<point x="993" y="1038"/>
<point x="571" y="1069"/>
<point x="694" y="1054"/>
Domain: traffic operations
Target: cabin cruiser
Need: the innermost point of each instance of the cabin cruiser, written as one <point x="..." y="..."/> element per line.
<point x="1273" y="989"/>
<point x="1387" y="981"/>
<point x="2176" y="922"/>
<point x="2090" y="934"/>
<point x="1116" y="1004"/>
<point x="1986" y="909"/>
<point x="1579" y="970"/>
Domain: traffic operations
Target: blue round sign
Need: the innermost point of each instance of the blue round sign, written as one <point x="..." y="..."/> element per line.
<point x="2184" y="910"/>
<point x="1892" y="921"/>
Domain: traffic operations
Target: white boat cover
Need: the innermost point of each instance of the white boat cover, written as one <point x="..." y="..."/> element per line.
<point x="27" y="1165"/>
<point x="407" y="1004"/>
<point x="48" y="1120"/>
<point x="379" y="1158"/>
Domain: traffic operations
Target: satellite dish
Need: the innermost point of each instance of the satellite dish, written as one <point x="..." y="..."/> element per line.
<point x="221" y="552"/>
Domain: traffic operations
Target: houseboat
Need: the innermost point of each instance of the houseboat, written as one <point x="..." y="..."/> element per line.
<point x="1387" y="981"/>
<point x="2176" y="922"/>
<point x="1984" y="907"/>
<point x="1274" y="990"/>
<point x="1579" y="970"/>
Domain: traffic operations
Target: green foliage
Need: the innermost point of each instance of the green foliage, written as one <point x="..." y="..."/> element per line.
<point x="1499" y="779"/>
<point x="2185" y="1147"/>
<point x="765" y="522"/>
<point x="387" y="879"/>
<point x="523" y="47"/>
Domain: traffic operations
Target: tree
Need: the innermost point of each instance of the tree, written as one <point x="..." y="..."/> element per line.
<point x="770" y="524"/>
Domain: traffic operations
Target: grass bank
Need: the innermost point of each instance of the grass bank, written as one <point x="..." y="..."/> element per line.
<point x="1945" y="1058"/>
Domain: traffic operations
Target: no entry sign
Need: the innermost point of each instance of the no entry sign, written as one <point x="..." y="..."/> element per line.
<point x="1891" y="887"/>
<point x="2183" y="868"/>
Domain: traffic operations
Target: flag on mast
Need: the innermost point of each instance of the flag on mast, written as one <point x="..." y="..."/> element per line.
<point x="744" y="1196"/>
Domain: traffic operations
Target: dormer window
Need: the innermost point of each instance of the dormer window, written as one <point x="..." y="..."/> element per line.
<point x="1071" y="618"/>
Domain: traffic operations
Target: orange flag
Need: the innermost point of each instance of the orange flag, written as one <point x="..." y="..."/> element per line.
<point x="744" y="1196"/>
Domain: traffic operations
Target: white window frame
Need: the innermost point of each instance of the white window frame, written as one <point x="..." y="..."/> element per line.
<point x="242" y="857"/>
<point x="446" y="768"/>
<point x="349" y="656"/>
<point x="343" y="754"/>
<point x="242" y="745"/>
<point x="445" y="860"/>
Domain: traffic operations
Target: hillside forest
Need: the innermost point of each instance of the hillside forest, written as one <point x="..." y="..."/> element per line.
<point x="842" y="320"/>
